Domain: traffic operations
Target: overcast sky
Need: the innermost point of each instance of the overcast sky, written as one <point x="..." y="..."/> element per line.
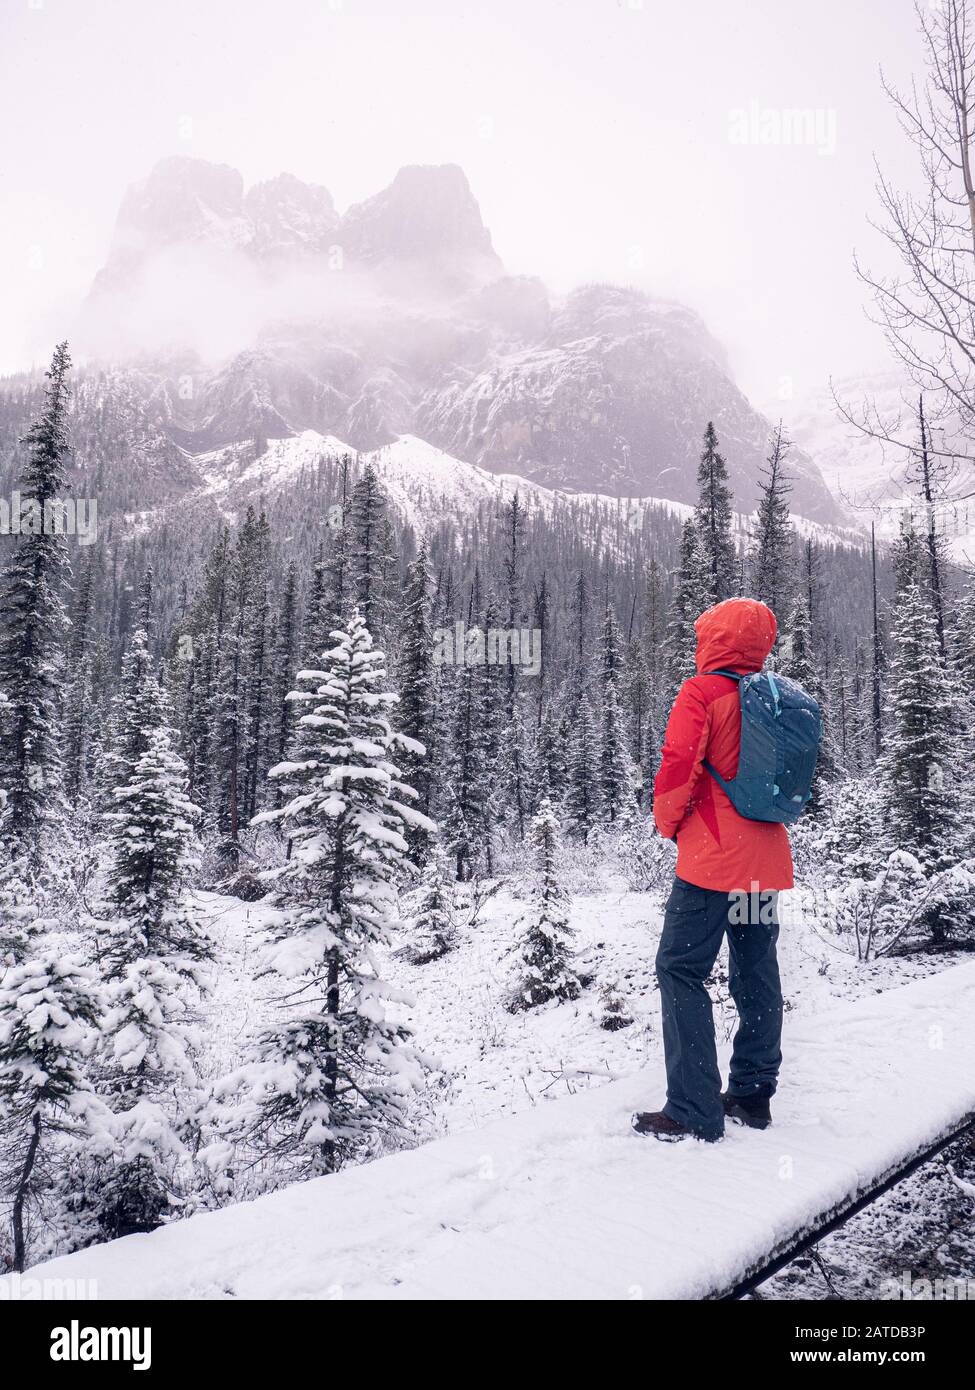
<point x="603" y="139"/>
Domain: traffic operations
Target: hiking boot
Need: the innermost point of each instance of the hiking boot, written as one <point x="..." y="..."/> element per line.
<point x="661" y="1126"/>
<point x="753" y="1111"/>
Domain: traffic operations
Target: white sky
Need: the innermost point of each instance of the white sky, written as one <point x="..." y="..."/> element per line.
<point x="595" y="134"/>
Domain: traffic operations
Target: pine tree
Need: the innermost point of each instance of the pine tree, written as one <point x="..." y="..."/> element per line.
<point x="333" y="1076"/>
<point x="797" y="660"/>
<point x="546" y="946"/>
<point x="691" y="598"/>
<point x="433" y="931"/>
<point x="79" y="704"/>
<point x="615" y="773"/>
<point x="917" y="767"/>
<point x="471" y="706"/>
<point x="32" y="625"/>
<point x="713" y="520"/>
<point x="259" y="679"/>
<point x="21" y="905"/>
<point x="135" y="704"/>
<point x="337" y="579"/>
<point x="239" y="687"/>
<point x="207" y="631"/>
<point x="368" y="514"/>
<point x="49" y="1011"/>
<point x="552" y="756"/>
<point x="654" y="637"/>
<point x="417" y="690"/>
<point x="152" y="964"/>
<point x="582" y="804"/>
<point x="281" y="723"/>
<point x="642" y="733"/>
<point x="773" y="539"/>
<point x="962" y="656"/>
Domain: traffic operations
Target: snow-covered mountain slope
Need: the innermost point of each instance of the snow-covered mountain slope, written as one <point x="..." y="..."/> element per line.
<point x="869" y="477"/>
<point x="425" y="485"/>
<point x="564" y="1201"/>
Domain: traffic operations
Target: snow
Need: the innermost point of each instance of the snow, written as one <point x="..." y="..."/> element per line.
<point x="563" y="1201"/>
<point x="425" y="484"/>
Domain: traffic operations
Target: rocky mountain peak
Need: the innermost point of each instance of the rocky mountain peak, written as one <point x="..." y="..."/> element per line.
<point x="428" y="214"/>
<point x="289" y="215"/>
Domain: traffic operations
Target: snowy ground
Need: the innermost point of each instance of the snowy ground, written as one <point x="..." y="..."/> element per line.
<point x="538" y="1191"/>
<point x="563" y="1201"/>
<point x="496" y="1063"/>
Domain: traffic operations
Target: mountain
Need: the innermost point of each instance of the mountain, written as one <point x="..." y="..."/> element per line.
<point x="249" y="315"/>
<point x="613" y="400"/>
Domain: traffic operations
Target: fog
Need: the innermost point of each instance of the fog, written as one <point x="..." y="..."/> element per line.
<point x="718" y="154"/>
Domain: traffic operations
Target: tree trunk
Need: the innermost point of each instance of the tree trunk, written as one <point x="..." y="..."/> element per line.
<point x="20" y="1195"/>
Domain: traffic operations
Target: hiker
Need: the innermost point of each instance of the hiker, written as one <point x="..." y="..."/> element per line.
<point x="730" y="869"/>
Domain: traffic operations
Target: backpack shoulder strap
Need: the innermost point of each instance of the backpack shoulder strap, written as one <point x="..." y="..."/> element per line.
<point x="725" y="786"/>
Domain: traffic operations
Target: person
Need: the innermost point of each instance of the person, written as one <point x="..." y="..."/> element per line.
<point x="729" y="873"/>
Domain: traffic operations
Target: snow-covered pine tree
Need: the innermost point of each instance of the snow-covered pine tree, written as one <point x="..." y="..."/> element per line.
<point x="961" y="650"/>
<point x="204" y="636"/>
<point x="691" y="597"/>
<point x="333" y="1076"/>
<point x="514" y="519"/>
<point x="417" y="691"/>
<point x="20" y="904"/>
<point x="541" y="625"/>
<point x="654" y="638"/>
<point x="369" y="539"/>
<point x="616" y="791"/>
<point x="80" y="733"/>
<point x="641" y="725"/>
<point x="796" y="659"/>
<point x="545" y="951"/>
<point x="49" y="1010"/>
<point x="338" y="579"/>
<point x="246" y="616"/>
<point x="281" y="721"/>
<point x="924" y="797"/>
<point x="582" y="803"/>
<point x="152" y="961"/>
<point x="581" y="623"/>
<point x="32" y="627"/>
<point x="501" y="735"/>
<point x="551" y="756"/>
<point x="712" y="518"/>
<point x="772" y="557"/>
<point x="433" y="932"/>
<point x="468" y="813"/>
<point x="257" y="667"/>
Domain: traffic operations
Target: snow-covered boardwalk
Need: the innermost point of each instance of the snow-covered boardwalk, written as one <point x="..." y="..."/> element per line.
<point x="564" y="1202"/>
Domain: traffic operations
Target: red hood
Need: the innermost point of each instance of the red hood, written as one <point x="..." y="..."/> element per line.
<point x="737" y="634"/>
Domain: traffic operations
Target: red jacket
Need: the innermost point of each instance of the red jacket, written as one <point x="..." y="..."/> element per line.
<point x="716" y="847"/>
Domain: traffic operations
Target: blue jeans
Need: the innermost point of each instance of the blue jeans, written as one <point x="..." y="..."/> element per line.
<point x="695" y="921"/>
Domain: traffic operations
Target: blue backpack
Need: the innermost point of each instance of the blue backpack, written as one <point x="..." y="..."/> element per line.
<point x="781" y="727"/>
